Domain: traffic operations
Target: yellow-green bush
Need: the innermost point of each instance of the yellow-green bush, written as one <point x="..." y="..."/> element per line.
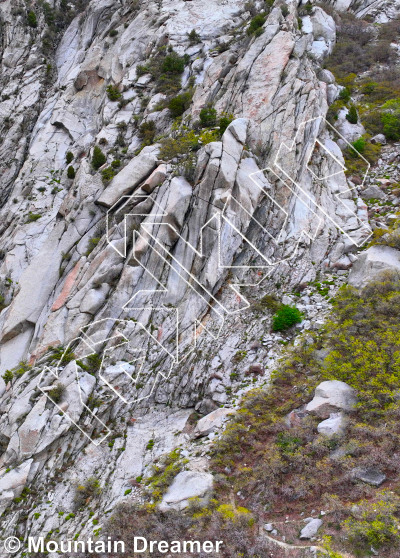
<point x="374" y="523"/>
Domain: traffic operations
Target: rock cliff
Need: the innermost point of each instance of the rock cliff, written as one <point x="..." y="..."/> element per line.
<point x="129" y="282"/>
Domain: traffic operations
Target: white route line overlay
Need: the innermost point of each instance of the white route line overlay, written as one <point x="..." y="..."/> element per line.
<point x="220" y="220"/>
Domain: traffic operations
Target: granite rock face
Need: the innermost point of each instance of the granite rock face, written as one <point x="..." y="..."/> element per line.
<point x="126" y="287"/>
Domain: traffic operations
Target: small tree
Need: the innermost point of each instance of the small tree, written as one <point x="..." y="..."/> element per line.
<point x="8" y="376"/>
<point x="107" y="174"/>
<point x="112" y="93"/>
<point x="57" y="392"/>
<point x="69" y="157"/>
<point x="71" y="172"/>
<point x="345" y="94"/>
<point x="224" y="122"/>
<point x="32" y="20"/>
<point x="352" y="116"/>
<point x="98" y="158"/>
<point x="147" y="132"/>
<point x="208" y="116"/>
<point x="173" y="64"/>
<point x="179" y="104"/>
<point x="194" y="37"/>
<point x="256" y="23"/>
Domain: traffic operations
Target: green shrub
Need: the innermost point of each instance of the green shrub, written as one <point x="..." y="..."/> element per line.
<point x="112" y="93"/>
<point x="8" y="376"/>
<point x="355" y="165"/>
<point x="86" y="492"/>
<point x="309" y="7"/>
<point x="93" y="363"/>
<point x="352" y="116"/>
<point x="113" y="33"/>
<point x="98" y="158"/>
<point x="391" y="119"/>
<point x="284" y="10"/>
<point x="194" y="37"/>
<point x="116" y="164"/>
<point x="224" y="122"/>
<point x="286" y="317"/>
<point x="62" y="355"/>
<point x="93" y="242"/>
<point x="71" y="172"/>
<point x="173" y="64"/>
<point x="182" y="144"/>
<point x="345" y="94"/>
<point x="208" y="116"/>
<point x="32" y="19"/>
<point x="256" y="23"/>
<point x="382" y="51"/>
<point x="57" y="392"/>
<point x="180" y="103"/>
<point x="352" y="51"/>
<point x="33" y="217"/>
<point x="69" y="157"/>
<point x="141" y="70"/>
<point x="147" y="132"/>
<point x="107" y="174"/>
<point x="359" y="145"/>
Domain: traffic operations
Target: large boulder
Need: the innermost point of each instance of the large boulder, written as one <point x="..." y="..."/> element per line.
<point x="331" y="396"/>
<point x="311" y="529"/>
<point x="373" y="192"/>
<point x="211" y="422"/>
<point x="186" y="485"/>
<point x="369" y="475"/>
<point x="372" y="263"/>
<point x="137" y="170"/>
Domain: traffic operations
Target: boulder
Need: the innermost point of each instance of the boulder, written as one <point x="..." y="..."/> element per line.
<point x="327" y="77"/>
<point x="369" y="475"/>
<point x="334" y="425"/>
<point x="351" y="132"/>
<point x="311" y="529"/>
<point x="331" y="396"/>
<point x="211" y="422"/>
<point x="373" y="192"/>
<point x="372" y="263"/>
<point x="323" y="26"/>
<point x="156" y="178"/>
<point x="379" y="138"/>
<point x="137" y="170"/>
<point x="186" y="485"/>
<point x="238" y="128"/>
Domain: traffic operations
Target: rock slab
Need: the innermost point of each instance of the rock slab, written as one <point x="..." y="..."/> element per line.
<point x="186" y="485"/>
